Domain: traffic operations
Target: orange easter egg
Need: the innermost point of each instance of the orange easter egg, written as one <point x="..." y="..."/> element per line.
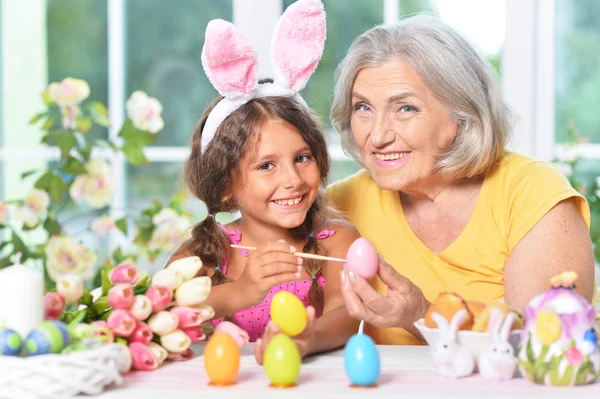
<point x="222" y="359"/>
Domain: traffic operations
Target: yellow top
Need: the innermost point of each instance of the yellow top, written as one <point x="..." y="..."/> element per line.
<point x="514" y="196"/>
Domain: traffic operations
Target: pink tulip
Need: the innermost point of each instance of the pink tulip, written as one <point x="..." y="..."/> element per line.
<point x="124" y="273"/>
<point x="143" y="358"/>
<point x="103" y="330"/>
<point x="141" y="333"/>
<point x="188" y="317"/>
<point x="121" y="296"/>
<point x="121" y="322"/>
<point x="54" y="305"/>
<point x="181" y="357"/>
<point x="574" y="356"/>
<point x="160" y="297"/>
<point x="142" y="307"/>
<point x="239" y="335"/>
<point x="160" y="352"/>
<point x="195" y="333"/>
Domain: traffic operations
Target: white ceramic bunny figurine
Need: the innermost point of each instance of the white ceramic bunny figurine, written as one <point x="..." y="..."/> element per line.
<point x="451" y="359"/>
<point x="499" y="362"/>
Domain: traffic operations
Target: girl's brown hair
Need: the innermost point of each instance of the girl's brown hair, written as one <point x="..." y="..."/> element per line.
<point x="209" y="176"/>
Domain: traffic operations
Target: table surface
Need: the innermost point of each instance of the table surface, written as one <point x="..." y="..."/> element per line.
<point x="406" y="372"/>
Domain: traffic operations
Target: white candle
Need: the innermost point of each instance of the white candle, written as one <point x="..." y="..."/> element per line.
<point x="21" y="298"/>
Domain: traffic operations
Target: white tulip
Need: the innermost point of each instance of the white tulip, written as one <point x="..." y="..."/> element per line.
<point x="163" y="323"/>
<point x="176" y="342"/>
<point x="188" y="267"/>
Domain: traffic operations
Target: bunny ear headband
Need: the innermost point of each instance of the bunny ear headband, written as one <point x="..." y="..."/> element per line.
<point x="230" y="61"/>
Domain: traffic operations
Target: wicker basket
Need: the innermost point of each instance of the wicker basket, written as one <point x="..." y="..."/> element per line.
<point x="59" y="376"/>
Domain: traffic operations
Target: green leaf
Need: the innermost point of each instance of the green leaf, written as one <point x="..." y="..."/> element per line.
<point x="49" y="124"/>
<point x="83" y="147"/>
<point x="143" y="236"/>
<point x="107" y="144"/>
<point x="529" y="351"/>
<point x="28" y="173"/>
<point x="122" y="225"/>
<point x="100" y="305"/>
<point x="54" y="137"/>
<point x="37" y="117"/>
<point x="46" y="99"/>
<point x="66" y="143"/>
<point x="177" y="201"/>
<point x="83" y="124"/>
<point x="99" y="113"/>
<point x="142" y="282"/>
<point x="73" y="166"/>
<point x="106" y="283"/>
<point x="5" y="262"/>
<point x="52" y="226"/>
<point x="119" y="256"/>
<point x="134" y="154"/>
<point x="141" y="290"/>
<point x="582" y="374"/>
<point x="19" y="246"/>
<point x="567" y="376"/>
<point x="104" y="317"/>
<point x="53" y="184"/>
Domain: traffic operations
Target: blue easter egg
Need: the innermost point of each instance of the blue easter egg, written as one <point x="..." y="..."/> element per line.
<point x="48" y="337"/>
<point x="10" y="342"/>
<point x="361" y="359"/>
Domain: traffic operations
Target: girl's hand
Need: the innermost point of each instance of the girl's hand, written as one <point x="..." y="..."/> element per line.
<point x="270" y="265"/>
<point x="305" y="341"/>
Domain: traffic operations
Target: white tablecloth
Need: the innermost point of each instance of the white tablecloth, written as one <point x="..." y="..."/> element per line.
<point x="406" y="372"/>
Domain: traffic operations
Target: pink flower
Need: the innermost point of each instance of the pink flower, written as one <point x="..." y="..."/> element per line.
<point x="121" y="322"/>
<point x="195" y="333"/>
<point x="54" y="305"/>
<point x="239" y="335"/>
<point x="188" y="317"/>
<point x="103" y="330"/>
<point x="121" y="296"/>
<point x="574" y="356"/>
<point x="124" y="273"/>
<point x="142" y="307"/>
<point x="141" y="333"/>
<point x="160" y="297"/>
<point x="163" y="323"/>
<point x="143" y="357"/>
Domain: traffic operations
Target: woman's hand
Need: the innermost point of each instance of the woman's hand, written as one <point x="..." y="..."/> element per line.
<point x="403" y="305"/>
<point x="266" y="267"/>
<point x="305" y="341"/>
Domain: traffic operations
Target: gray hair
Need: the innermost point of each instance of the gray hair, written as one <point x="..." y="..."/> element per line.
<point x="461" y="78"/>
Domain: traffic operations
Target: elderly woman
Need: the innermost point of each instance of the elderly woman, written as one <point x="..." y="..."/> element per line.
<point x="444" y="203"/>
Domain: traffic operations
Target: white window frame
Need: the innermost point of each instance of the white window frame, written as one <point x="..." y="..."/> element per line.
<point x="527" y="79"/>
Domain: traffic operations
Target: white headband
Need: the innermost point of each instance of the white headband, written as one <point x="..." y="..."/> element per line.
<point x="230" y="61"/>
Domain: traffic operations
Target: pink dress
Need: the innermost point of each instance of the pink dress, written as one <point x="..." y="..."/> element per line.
<point x="254" y="319"/>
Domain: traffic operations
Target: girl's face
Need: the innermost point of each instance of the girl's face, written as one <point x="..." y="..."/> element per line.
<point x="279" y="177"/>
<point x="399" y="124"/>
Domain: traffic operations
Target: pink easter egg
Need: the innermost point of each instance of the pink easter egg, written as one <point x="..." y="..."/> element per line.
<point x="362" y="259"/>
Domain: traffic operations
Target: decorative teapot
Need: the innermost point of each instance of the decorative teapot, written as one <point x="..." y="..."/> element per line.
<point x="559" y="343"/>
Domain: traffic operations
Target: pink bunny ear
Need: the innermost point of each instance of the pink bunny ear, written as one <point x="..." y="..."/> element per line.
<point x="298" y="43"/>
<point x="229" y="60"/>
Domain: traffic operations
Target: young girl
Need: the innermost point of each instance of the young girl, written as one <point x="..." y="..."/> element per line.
<point x="259" y="150"/>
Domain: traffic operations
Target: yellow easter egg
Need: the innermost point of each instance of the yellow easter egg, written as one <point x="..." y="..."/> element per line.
<point x="282" y="361"/>
<point x="289" y="313"/>
<point x="222" y="359"/>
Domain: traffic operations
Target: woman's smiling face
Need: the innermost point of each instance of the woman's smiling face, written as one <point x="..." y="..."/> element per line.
<point x="399" y="125"/>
